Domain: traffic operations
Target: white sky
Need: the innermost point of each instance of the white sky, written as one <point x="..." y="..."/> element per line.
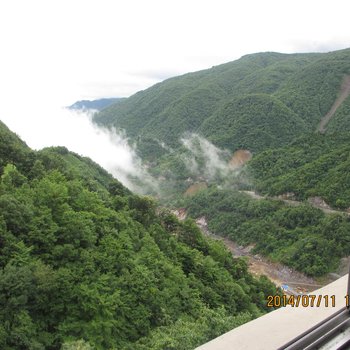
<point x="53" y="53"/>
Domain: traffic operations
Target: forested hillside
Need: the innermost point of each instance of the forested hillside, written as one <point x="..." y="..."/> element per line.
<point x="187" y="128"/>
<point x="257" y="102"/>
<point x="84" y="263"/>
<point x="341" y="118"/>
<point x="312" y="168"/>
<point x="301" y="237"/>
<point x="313" y="165"/>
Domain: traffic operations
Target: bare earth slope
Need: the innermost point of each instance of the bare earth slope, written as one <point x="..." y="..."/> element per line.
<point x="344" y="93"/>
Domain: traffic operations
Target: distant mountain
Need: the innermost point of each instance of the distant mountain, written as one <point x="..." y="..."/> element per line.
<point x="95" y="104"/>
<point x="260" y="101"/>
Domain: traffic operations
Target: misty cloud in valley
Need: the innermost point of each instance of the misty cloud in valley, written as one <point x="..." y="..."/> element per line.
<point x="112" y="150"/>
<point x="76" y="131"/>
<point x="204" y="158"/>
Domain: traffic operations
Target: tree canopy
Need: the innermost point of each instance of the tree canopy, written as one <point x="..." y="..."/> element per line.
<point x="84" y="263"/>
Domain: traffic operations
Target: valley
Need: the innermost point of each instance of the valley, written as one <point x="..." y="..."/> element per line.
<point x="85" y="260"/>
<point x="294" y="165"/>
<point x="81" y="255"/>
<point x="278" y="273"/>
<point x="235" y="147"/>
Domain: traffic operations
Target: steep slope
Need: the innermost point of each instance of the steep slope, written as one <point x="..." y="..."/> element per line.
<point x="301" y="87"/>
<point x="253" y="122"/>
<point x="343" y="95"/>
<point x="312" y="90"/>
<point x="313" y="165"/>
<point x="13" y="149"/>
<point x="302" y="237"/>
<point x="341" y="118"/>
<point x="84" y="263"/>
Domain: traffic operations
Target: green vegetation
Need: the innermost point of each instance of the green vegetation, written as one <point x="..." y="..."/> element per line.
<point x="253" y="122"/>
<point x="313" y="165"/>
<point x="302" y="237"/>
<point x="14" y="150"/>
<point x="311" y="91"/>
<point x="86" y="264"/>
<point x="341" y="118"/>
<point x="258" y="102"/>
<point x="270" y="104"/>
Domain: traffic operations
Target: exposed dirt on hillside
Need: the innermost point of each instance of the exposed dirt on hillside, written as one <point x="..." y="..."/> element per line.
<point x="259" y="265"/>
<point x="193" y="189"/>
<point x="344" y="93"/>
<point x="239" y="158"/>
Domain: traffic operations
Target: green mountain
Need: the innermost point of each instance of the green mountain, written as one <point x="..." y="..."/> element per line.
<point x="292" y="112"/>
<point x="260" y="101"/>
<point x="84" y="263"/>
<point x="313" y="165"/>
<point x="94" y="104"/>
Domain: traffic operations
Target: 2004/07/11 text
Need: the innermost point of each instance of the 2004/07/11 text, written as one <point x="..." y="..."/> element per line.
<point x="310" y="300"/>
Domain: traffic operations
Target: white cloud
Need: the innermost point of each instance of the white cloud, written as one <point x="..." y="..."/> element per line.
<point x="215" y="160"/>
<point x="75" y="130"/>
<point x="62" y="47"/>
<point x="56" y="52"/>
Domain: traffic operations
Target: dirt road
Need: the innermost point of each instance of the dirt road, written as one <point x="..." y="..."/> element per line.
<point x="316" y="202"/>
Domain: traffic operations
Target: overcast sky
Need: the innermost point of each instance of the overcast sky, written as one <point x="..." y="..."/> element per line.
<point x="54" y="52"/>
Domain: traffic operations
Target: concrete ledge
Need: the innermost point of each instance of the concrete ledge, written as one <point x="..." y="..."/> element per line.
<point x="276" y="328"/>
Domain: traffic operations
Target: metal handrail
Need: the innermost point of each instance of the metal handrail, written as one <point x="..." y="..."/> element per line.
<point x="324" y="331"/>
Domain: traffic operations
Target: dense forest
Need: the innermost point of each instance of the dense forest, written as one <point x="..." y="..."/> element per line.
<point x="258" y="102"/>
<point x="302" y="237"/>
<point x="187" y="128"/>
<point x="312" y="165"/>
<point x="84" y="263"/>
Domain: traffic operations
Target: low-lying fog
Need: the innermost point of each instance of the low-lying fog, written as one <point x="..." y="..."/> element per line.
<point x="75" y="130"/>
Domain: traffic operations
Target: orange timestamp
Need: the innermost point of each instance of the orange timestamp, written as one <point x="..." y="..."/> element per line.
<point x="310" y="300"/>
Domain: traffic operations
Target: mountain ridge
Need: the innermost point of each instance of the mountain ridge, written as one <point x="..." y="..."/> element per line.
<point x="306" y="84"/>
<point x="97" y="105"/>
